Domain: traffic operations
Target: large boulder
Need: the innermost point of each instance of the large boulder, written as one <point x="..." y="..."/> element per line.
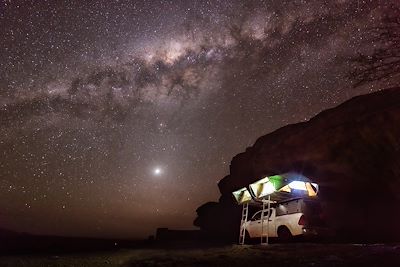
<point x="352" y="151"/>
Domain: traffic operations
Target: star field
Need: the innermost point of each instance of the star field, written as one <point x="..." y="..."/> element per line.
<point x="118" y="117"/>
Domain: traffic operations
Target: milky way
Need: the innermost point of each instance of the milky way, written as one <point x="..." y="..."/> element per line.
<point x="118" y="117"/>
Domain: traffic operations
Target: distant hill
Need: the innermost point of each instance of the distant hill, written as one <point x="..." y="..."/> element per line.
<point x="352" y="151"/>
<point x="14" y="242"/>
<point x="8" y="233"/>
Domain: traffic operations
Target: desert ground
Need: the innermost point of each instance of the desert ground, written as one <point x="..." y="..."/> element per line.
<point x="299" y="254"/>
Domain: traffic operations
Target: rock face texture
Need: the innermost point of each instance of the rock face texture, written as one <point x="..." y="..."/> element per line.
<point x="352" y="151"/>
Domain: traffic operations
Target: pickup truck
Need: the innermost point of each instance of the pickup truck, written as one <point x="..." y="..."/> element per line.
<point x="298" y="217"/>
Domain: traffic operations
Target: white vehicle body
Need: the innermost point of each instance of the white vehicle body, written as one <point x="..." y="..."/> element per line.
<point x="290" y="218"/>
<point x="275" y="224"/>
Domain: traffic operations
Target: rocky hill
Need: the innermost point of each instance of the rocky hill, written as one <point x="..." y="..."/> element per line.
<point x="352" y="151"/>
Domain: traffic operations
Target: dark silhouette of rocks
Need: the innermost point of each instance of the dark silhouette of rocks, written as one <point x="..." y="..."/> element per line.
<point x="352" y="151"/>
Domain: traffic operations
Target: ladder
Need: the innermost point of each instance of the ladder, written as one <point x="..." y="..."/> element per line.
<point x="265" y="236"/>
<point x="245" y="213"/>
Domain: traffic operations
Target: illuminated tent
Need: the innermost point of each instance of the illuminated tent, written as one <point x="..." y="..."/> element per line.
<point x="284" y="186"/>
<point x="278" y="187"/>
<point x="242" y="196"/>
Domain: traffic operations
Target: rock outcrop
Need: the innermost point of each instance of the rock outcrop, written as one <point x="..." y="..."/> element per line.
<point x="352" y="151"/>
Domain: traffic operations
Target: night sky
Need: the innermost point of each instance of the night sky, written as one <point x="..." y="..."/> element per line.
<point x="118" y="117"/>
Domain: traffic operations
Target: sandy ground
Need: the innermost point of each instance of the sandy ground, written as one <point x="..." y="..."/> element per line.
<point x="272" y="255"/>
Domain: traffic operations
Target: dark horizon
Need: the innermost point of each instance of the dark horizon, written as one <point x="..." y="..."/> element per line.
<point x="119" y="117"/>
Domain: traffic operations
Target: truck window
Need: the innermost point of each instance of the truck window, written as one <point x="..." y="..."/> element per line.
<point x="257" y="215"/>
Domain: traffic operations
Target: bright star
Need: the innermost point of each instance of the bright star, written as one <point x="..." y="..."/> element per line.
<point x="157" y="171"/>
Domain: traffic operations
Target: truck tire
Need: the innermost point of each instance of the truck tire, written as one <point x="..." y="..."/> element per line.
<point x="284" y="234"/>
<point x="247" y="239"/>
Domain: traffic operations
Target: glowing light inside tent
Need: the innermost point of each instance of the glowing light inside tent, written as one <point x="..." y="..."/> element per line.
<point x="242" y="195"/>
<point x="310" y="188"/>
<point x="268" y="188"/>
<point x="298" y="185"/>
<point x="262" y="188"/>
<point x="286" y="188"/>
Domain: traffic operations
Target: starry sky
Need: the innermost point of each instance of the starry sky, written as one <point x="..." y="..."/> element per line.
<point x="118" y="117"/>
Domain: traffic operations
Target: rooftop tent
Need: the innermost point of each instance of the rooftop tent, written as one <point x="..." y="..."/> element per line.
<point x="242" y="195"/>
<point x="283" y="186"/>
<point x="269" y="189"/>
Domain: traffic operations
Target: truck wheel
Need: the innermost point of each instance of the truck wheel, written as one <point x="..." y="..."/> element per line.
<point x="284" y="234"/>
